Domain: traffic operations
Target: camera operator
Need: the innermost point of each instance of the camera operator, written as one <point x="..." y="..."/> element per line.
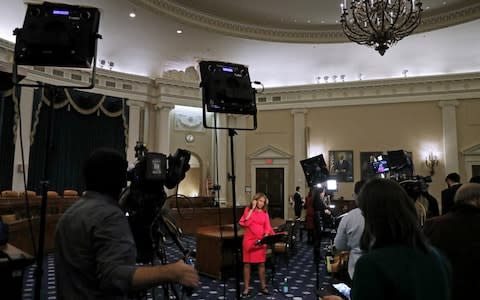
<point x="95" y="253"/>
<point x="425" y="204"/>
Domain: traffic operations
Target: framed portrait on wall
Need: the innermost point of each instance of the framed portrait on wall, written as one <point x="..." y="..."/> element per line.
<point x="341" y="165"/>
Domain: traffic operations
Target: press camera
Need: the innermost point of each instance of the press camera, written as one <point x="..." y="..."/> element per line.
<point x="416" y="185"/>
<point x="144" y="198"/>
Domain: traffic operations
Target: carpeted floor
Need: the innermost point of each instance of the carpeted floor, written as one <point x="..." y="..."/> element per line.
<point x="300" y="276"/>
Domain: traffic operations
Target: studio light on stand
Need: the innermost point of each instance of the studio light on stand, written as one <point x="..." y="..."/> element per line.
<point x="58" y="35"/>
<point x="55" y="35"/>
<point x="431" y="161"/>
<point x="380" y="23"/>
<point x="227" y="89"/>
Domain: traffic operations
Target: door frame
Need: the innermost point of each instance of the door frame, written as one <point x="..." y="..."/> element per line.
<point x="271" y="157"/>
<point x="471" y="158"/>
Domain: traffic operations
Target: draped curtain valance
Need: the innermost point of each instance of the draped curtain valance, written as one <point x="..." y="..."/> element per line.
<point x="85" y="103"/>
<point x="82" y="102"/>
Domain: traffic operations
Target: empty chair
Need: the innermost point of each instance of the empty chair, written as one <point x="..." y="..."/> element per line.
<point x="9" y="193"/>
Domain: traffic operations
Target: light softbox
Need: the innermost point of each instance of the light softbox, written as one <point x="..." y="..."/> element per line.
<point x="226" y="88"/>
<point x="56" y="34"/>
<point x="315" y="169"/>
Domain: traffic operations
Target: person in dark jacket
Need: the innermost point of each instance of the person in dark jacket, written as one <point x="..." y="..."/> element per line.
<point x="448" y="194"/>
<point x="457" y="234"/>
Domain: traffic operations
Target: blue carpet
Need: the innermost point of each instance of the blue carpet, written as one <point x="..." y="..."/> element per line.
<point x="300" y="276"/>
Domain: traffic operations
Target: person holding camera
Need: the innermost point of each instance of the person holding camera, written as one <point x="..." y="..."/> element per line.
<point x="95" y="252"/>
<point x="256" y="222"/>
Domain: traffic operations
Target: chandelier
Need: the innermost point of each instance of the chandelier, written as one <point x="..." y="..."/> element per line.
<point x="380" y="23"/>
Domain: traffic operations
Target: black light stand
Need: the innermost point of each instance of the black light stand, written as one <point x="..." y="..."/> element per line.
<point x="57" y="35"/>
<point x="227" y="90"/>
<point x="43" y="207"/>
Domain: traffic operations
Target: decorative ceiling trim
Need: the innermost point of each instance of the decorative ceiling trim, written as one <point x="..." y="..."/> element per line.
<point x="321" y="34"/>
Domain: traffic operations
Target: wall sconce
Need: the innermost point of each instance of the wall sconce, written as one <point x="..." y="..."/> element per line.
<point x="431" y="162"/>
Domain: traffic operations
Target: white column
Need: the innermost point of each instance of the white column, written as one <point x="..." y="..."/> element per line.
<point x="299" y="147"/>
<point x="133" y="127"/>
<point x="450" y="140"/>
<point x="26" y="107"/>
<point x="221" y="147"/>
<point x="162" y="130"/>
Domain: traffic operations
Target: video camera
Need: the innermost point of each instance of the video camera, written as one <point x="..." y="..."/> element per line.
<point x="415" y="185"/>
<point x="143" y="199"/>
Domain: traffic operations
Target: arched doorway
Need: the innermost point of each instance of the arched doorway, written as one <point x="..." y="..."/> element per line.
<point x="191" y="185"/>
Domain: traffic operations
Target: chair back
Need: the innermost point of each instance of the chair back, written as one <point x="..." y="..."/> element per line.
<point x="10" y="194"/>
<point x="70" y="193"/>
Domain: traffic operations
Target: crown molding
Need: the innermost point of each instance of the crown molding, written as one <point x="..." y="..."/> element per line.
<point x="366" y="92"/>
<point x="449" y="18"/>
<point x="331" y="33"/>
<point x="187" y="93"/>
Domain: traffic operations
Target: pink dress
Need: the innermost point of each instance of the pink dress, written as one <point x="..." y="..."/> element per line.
<point x="256" y="227"/>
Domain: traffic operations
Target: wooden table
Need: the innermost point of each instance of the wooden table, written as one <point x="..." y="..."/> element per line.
<point x="216" y="246"/>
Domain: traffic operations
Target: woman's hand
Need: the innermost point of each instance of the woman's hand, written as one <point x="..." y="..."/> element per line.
<point x="254" y="204"/>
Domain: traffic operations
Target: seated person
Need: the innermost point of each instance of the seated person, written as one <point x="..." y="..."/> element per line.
<point x="397" y="263"/>
<point x="350" y="231"/>
<point x="456" y="235"/>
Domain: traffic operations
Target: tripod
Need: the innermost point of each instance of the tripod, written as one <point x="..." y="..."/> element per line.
<point x="162" y="229"/>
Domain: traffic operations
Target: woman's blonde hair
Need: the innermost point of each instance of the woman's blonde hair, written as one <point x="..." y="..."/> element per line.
<point x="258" y="196"/>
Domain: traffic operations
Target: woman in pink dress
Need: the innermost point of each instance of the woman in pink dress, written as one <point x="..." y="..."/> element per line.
<point x="256" y="224"/>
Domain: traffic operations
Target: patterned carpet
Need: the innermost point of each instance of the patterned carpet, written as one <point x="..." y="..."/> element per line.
<point x="300" y="276"/>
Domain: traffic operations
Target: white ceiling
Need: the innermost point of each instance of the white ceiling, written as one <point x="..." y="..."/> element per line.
<point x="149" y="45"/>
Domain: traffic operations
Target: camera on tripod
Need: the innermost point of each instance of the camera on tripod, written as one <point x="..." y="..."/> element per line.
<point x="143" y="199"/>
<point x="416" y="185"/>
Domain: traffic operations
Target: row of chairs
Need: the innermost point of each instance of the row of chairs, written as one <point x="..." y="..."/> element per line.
<point x="12" y="206"/>
<point x="50" y="194"/>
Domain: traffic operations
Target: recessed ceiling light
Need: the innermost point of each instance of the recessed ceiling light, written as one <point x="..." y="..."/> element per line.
<point x="132" y="14"/>
<point x="179" y="31"/>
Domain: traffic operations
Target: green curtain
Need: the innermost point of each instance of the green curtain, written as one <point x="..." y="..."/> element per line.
<point x="7" y="138"/>
<point x="81" y="123"/>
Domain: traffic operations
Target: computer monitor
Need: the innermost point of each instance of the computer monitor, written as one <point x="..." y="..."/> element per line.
<point x="380" y="166"/>
<point x="315" y="169"/>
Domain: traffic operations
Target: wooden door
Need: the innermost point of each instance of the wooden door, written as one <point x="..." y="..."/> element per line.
<point x="271" y="182"/>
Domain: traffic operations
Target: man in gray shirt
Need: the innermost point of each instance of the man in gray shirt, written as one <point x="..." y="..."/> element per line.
<point x="95" y="253"/>
<point x="350" y="231"/>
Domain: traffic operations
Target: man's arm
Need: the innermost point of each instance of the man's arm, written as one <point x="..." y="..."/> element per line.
<point x="341" y="236"/>
<point x="149" y="276"/>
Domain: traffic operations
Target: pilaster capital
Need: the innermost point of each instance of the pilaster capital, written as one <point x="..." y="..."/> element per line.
<point x="448" y="103"/>
<point x="164" y="106"/>
<point x="299" y="111"/>
<point x="135" y="103"/>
